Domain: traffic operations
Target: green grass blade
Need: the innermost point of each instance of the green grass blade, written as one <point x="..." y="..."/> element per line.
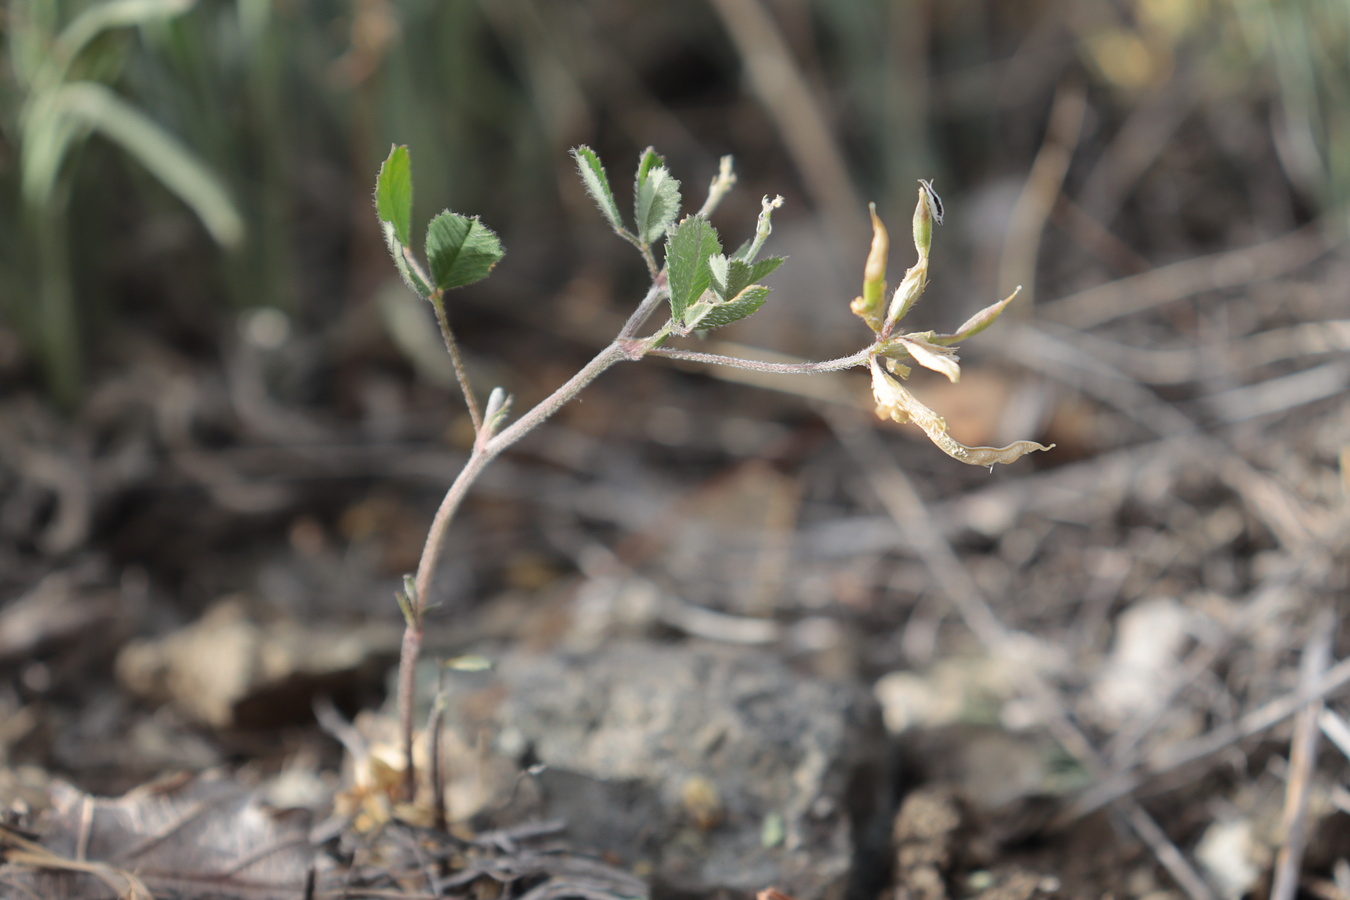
<point x="162" y="155"/>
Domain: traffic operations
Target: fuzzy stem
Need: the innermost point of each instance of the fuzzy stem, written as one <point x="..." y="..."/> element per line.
<point x="644" y="309"/>
<point x="722" y="182"/>
<point x="483" y="453"/>
<point x="407" y="668"/>
<point x="461" y="373"/>
<point x="754" y="365"/>
<point x="485" y="450"/>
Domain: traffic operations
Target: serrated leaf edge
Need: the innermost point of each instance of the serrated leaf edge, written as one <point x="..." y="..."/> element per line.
<point x="596" y="180"/>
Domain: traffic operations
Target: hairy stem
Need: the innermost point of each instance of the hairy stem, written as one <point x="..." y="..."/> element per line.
<point x="407" y="668"/>
<point x="461" y="374"/>
<point x="644" y="309"/>
<point x="806" y="368"/>
<point x="625" y="346"/>
<point x="484" y="453"/>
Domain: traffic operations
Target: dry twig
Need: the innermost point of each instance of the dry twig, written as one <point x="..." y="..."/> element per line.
<point x="1302" y="760"/>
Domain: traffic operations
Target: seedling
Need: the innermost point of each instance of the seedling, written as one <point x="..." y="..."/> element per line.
<point x="702" y="286"/>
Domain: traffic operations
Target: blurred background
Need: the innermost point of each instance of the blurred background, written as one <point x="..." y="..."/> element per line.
<point x="170" y="164"/>
<point x="212" y="383"/>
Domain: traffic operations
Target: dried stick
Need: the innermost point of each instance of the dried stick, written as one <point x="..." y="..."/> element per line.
<point x="1022" y="244"/>
<point x="905" y="506"/>
<point x="1231" y="268"/>
<point x="796" y="111"/>
<point x="1302" y="759"/>
<point x="1122" y="782"/>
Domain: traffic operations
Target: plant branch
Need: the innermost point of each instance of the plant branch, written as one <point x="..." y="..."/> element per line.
<point x="807" y="368"/>
<point x="655" y="294"/>
<point x="722" y="182"/>
<point x="607" y="357"/>
<point x="461" y="373"/>
<point x="484" y="453"/>
<point x="407" y="671"/>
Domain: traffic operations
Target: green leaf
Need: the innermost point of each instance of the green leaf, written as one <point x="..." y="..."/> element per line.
<point x="649" y="160"/>
<point x="400" y="254"/>
<point x="687" y="251"/>
<point x="656" y="198"/>
<point x="597" y="184"/>
<point x="461" y="250"/>
<point x="718" y="269"/>
<point x="393" y="193"/>
<point x="742" y="275"/>
<point x="745" y="303"/>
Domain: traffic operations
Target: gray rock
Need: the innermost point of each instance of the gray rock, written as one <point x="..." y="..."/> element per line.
<point x="707" y="768"/>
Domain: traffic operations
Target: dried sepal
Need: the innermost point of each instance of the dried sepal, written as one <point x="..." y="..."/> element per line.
<point x="988" y="456"/>
<point x="932" y="356"/>
<point x="897" y="368"/>
<point x="978" y="322"/>
<point x="907" y="294"/>
<point x="899" y="405"/>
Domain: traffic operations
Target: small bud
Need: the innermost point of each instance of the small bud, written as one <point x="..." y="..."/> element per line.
<point x="498" y="405"/>
<point x="868" y="306"/>
<point x="763" y="226"/>
<point x="933" y="200"/>
<point x="874" y="272"/>
<point x="927" y="211"/>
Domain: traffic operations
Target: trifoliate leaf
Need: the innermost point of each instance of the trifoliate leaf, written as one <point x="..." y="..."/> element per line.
<point x="656" y="200"/>
<point x="461" y="250"/>
<point x="741" y="275"/>
<point x="718" y="268"/>
<point x="399" y="253"/>
<point x="597" y="184"/>
<point x="742" y="305"/>
<point x="688" y="248"/>
<point x="393" y="193"/>
<point x="649" y="160"/>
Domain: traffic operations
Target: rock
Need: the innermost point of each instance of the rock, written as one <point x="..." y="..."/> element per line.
<point x="710" y="768"/>
<point x="227" y="671"/>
